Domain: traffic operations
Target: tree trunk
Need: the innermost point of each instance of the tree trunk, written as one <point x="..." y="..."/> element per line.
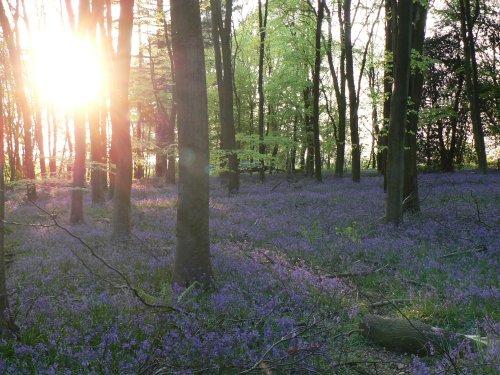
<point x="309" y="132"/>
<point x="79" y="121"/>
<point x="95" y="121"/>
<point x="353" y="99"/>
<point x="221" y="31"/>
<point x="372" y="82"/>
<point x="76" y="214"/>
<point x="397" y="121"/>
<point x="16" y="65"/>
<point x="260" y="85"/>
<point x="192" y="256"/>
<point x="53" y="151"/>
<point x="316" y="92"/>
<point x="410" y="189"/>
<point x="121" y="123"/>
<point x="412" y="337"/>
<point x="472" y="83"/>
<point x="39" y="139"/>
<point x="383" y="142"/>
<point x="6" y="320"/>
<point x="339" y="85"/>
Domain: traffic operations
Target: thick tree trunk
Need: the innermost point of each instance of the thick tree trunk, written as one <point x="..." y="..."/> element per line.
<point x="260" y="84"/>
<point x="397" y="121"/>
<point x="121" y="123"/>
<point x="192" y="256"/>
<point x="410" y="189"/>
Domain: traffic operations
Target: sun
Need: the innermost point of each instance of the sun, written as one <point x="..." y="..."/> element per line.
<point x="66" y="71"/>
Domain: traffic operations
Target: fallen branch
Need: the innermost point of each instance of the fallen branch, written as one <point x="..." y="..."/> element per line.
<point x="409" y="336"/>
<point x="482" y="249"/>
<point x="276" y="186"/>
<point x="136" y="292"/>
<point x="388" y="302"/>
<point x="353" y="274"/>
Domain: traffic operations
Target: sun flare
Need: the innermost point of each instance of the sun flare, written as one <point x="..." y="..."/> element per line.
<point x="66" y="71"/>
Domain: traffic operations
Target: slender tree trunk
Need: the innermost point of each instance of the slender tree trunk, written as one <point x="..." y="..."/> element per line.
<point x="472" y="83"/>
<point x="39" y="139"/>
<point x="339" y="85"/>
<point x="16" y="65"/>
<point x="222" y="31"/>
<point x="139" y="129"/>
<point x="316" y="92"/>
<point x="6" y="320"/>
<point x="80" y="122"/>
<point x="76" y="214"/>
<point x="260" y="85"/>
<point x="397" y="121"/>
<point x="353" y="99"/>
<point x="372" y="82"/>
<point x="96" y="149"/>
<point x="383" y="142"/>
<point x="192" y="256"/>
<point x="308" y="127"/>
<point x="167" y="122"/>
<point x="410" y="191"/>
<point x="121" y="123"/>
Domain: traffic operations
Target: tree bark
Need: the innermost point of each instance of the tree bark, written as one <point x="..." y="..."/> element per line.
<point x="80" y="122"/>
<point x="397" y="120"/>
<point x="410" y="189"/>
<point x="221" y="34"/>
<point x="6" y="320"/>
<point x="316" y="92"/>
<point x="412" y="337"/>
<point x="192" y="257"/>
<point x="309" y="136"/>
<point x="472" y="83"/>
<point x="390" y="6"/>
<point x="353" y="99"/>
<point x="121" y="123"/>
<point x="16" y="64"/>
<point x="260" y="84"/>
<point x="339" y="85"/>
<point x="95" y="121"/>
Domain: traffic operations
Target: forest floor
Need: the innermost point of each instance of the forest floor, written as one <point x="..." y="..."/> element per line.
<point x="297" y="265"/>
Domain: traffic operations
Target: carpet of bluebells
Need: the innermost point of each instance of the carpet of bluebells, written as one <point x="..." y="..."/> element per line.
<point x="296" y="266"/>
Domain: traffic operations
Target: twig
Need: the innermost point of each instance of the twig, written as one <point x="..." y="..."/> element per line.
<point x="28" y="224"/>
<point x="388" y="302"/>
<point x="480" y="250"/>
<point x="276" y="186"/>
<point x="353" y="274"/>
<point x="289" y="336"/>
<point x="129" y="285"/>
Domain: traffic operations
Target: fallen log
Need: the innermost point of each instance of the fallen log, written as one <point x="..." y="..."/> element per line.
<point x="410" y="336"/>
